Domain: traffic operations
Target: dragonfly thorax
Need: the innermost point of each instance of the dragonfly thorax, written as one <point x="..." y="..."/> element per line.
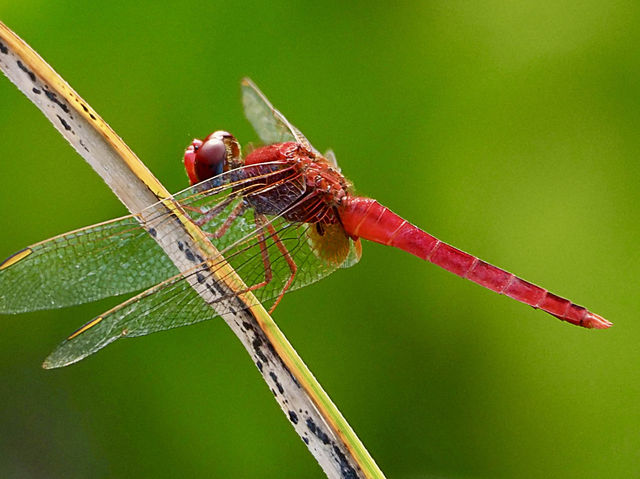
<point x="317" y="186"/>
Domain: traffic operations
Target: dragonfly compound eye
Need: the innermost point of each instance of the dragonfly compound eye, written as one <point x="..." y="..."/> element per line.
<point x="212" y="153"/>
<point x="210" y="157"/>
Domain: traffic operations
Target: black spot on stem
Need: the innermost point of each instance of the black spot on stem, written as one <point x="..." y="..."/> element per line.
<point x="294" y="417"/>
<point x="52" y="96"/>
<point x="21" y="66"/>
<point x="64" y="123"/>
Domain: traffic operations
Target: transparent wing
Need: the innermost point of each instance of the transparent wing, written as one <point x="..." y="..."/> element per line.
<point x="331" y="156"/>
<point x="106" y="259"/>
<point x="111" y="258"/>
<point x="165" y="306"/>
<point x="258" y="250"/>
<point x="270" y="125"/>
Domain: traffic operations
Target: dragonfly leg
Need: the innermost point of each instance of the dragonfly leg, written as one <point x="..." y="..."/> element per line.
<point x="262" y="223"/>
<point x="268" y="273"/>
<point x="237" y="211"/>
<point x="287" y="256"/>
<point x="208" y="215"/>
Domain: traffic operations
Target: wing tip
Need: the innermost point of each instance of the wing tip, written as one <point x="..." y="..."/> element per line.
<point x="246" y="81"/>
<point x="51" y="362"/>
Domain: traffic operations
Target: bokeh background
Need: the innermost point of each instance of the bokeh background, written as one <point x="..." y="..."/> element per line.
<point x="509" y="129"/>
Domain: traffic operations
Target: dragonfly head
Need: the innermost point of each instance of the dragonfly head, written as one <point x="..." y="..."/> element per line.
<point x="219" y="152"/>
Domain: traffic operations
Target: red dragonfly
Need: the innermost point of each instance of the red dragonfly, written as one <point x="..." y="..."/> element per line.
<point x="283" y="216"/>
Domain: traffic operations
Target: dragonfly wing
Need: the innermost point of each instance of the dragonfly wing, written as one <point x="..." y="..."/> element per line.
<point x="98" y="261"/>
<point x="175" y="302"/>
<point x="269" y="123"/>
<point x="331" y="156"/>
<point x="114" y="257"/>
<point x="168" y="305"/>
<point x="254" y="250"/>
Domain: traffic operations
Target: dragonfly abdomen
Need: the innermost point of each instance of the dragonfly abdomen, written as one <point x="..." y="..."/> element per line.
<point x="368" y="219"/>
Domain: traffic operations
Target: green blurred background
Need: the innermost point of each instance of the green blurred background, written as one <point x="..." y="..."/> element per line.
<point x="509" y="129"/>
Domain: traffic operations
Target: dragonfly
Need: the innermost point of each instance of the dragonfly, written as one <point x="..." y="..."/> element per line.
<point x="282" y="215"/>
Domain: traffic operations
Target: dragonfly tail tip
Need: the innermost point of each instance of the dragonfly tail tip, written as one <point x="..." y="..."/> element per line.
<point x="594" y="321"/>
